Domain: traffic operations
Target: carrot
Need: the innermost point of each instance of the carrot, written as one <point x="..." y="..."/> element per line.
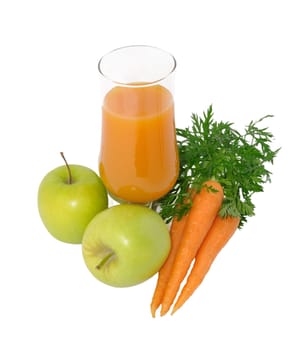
<point x="176" y="232"/>
<point x="219" y="234"/>
<point x="205" y="207"/>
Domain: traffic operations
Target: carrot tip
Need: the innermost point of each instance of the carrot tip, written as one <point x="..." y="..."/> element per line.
<point x="153" y="310"/>
<point x="173" y="311"/>
<point x="163" y="312"/>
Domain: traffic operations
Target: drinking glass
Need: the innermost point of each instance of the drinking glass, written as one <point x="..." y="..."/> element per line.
<point x="138" y="159"/>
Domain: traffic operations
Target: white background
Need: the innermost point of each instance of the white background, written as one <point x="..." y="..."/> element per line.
<point x="241" y="56"/>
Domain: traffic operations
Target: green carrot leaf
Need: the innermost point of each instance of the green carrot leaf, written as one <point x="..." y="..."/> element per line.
<point x="216" y="150"/>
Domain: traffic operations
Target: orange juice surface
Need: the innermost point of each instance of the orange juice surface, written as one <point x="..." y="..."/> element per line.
<point x="139" y="158"/>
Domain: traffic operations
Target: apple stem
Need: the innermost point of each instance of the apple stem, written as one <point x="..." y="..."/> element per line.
<point x="68" y="169"/>
<point x="104" y="260"/>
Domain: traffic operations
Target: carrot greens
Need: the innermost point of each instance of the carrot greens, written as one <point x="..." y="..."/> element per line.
<point x="210" y="149"/>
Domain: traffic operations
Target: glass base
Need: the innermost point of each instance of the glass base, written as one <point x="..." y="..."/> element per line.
<point x="113" y="200"/>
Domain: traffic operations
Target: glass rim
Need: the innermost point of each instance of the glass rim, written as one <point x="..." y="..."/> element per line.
<point x="153" y="82"/>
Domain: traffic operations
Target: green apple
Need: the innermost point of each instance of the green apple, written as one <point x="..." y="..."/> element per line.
<point x="125" y="245"/>
<point x="68" y="198"/>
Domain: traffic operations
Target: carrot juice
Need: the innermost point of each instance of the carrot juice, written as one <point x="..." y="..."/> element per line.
<point x="139" y="157"/>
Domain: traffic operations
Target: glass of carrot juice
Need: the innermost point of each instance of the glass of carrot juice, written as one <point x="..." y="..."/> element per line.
<point x="138" y="159"/>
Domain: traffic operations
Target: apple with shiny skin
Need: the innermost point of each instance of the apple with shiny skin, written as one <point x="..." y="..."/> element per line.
<point x="69" y="197"/>
<point x="125" y="245"/>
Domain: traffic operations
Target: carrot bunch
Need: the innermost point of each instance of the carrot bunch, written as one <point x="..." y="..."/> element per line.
<point x="198" y="237"/>
<point x="200" y="227"/>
